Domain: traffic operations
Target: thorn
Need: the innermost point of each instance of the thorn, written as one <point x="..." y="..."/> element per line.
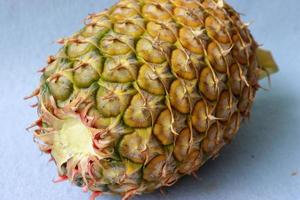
<point x="242" y="14"/>
<point x="294" y="174"/>
<point x="34" y="105"/>
<point x="55" y="77"/>
<point x="61" y="41"/>
<point x="91" y="15"/>
<point x="76" y="41"/>
<point x="129" y="194"/>
<point x="258" y="86"/>
<point x="215" y="156"/>
<point x="82" y="65"/>
<point x="35" y="93"/>
<point x="51" y="59"/>
<point x="48" y="151"/>
<point x="87" y="19"/>
<point x="195" y="176"/>
<point x="44" y="149"/>
<point x="85" y="188"/>
<point x="211" y="117"/>
<point x="162" y="192"/>
<point x="51" y="159"/>
<point x="246" y="25"/>
<point x="244" y="79"/>
<point x="60" y="179"/>
<point x="36" y="123"/>
<point x="227" y="51"/>
<point x="260" y="45"/>
<point x="95" y="195"/>
<point x="42" y="70"/>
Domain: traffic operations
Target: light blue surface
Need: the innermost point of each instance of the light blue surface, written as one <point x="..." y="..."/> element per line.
<point x="257" y="166"/>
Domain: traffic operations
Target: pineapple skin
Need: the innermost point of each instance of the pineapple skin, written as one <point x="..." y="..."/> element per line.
<point x="146" y="93"/>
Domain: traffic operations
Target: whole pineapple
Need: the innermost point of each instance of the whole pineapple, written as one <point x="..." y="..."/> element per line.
<point x="146" y="92"/>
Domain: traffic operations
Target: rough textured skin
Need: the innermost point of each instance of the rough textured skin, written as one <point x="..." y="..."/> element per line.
<point x="145" y="93"/>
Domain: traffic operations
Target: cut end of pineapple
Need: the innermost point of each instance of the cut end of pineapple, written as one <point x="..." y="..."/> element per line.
<point x="73" y="140"/>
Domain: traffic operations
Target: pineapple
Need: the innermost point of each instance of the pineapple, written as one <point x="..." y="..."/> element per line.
<point x="146" y="93"/>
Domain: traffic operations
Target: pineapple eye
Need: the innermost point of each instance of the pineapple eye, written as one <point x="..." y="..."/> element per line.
<point x="120" y="13"/>
<point x="208" y="85"/>
<point x="200" y="118"/>
<point x="108" y="102"/>
<point x="246" y="99"/>
<point x="112" y="171"/>
<point x="226" y="106"/>
<point x="182" y="144"/>
<point x="232" y="126"/>
<point x="192" y="162"/>
<point x="75" y="49"/>
<point x="61" y="88"/>
<point x="178" y="97"/>
<point x="192" y="4"/>
<point x="145" y="49"/>
<point x="113" y="45"/>
<point x="94" y="29"/>
<point x="85" y="75"/>
<point x="217" y="31"/>
<point x="137" y="114"/>
<point x="190" y="40"/>
<point x="162" y="129"/>
<point x="235" y="79"/>
<point x="120" y="69"/>
<point x="149" y="81"/>
<point x="134" y="29"/>
<point x="134" y="145"/>
<point x="188" y="18"/>
<point x="112" y="99"/>
<point x="210" y="142"/>
<point x="219" y="58"/>
<point x="241" y="51"/>
<point x="165" y="32"/>
<point x="181" y="65"/>
<point x="153" y="171"/>
<point x="155" y="12"/>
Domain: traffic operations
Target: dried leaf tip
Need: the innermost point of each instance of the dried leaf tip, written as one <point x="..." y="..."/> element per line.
<point x="35" y="93"/>
<point x="60" y="179"/>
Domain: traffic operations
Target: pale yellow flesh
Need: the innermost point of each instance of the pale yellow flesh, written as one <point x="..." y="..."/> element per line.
<point x="73" y="140"/>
